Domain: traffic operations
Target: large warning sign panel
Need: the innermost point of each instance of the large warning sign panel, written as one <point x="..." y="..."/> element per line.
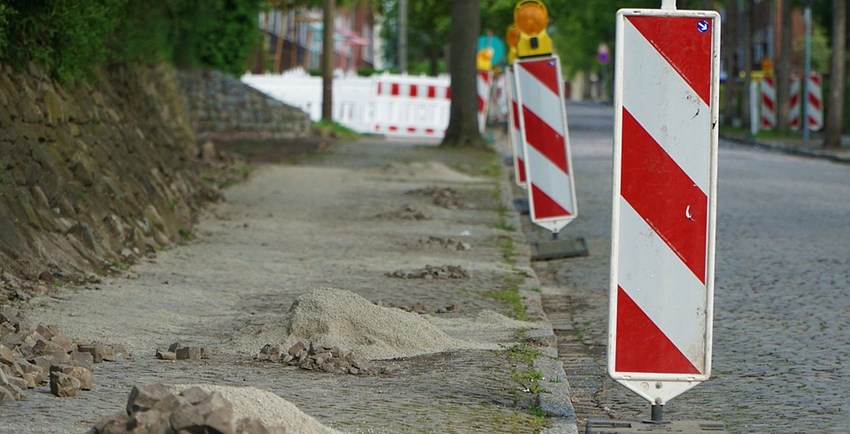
<point x="666" y="113"/>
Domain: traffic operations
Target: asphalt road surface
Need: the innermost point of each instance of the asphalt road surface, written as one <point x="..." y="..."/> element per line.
<point x="782" y="308"/>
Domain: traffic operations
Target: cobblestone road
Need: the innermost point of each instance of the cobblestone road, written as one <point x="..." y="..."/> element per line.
<point x="781" y="344"/>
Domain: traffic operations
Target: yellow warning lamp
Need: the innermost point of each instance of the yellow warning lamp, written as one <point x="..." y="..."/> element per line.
<point x="512" y="37"/>
<point x="531" y="18"/>
<point x="484" y="59"/>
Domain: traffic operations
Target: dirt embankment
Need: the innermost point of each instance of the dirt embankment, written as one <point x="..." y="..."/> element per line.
<point x="96" y="175"/>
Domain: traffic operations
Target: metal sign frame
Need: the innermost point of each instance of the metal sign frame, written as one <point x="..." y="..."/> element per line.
<point x="525" y="94"/>
<point x="660" y="387"/>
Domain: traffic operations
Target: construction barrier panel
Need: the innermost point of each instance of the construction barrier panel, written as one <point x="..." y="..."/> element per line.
<point x="665" y="171"/>
<point x="543" y="126"/>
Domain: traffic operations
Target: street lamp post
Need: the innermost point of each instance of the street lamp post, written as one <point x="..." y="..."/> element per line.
<point x="807" y="69"/>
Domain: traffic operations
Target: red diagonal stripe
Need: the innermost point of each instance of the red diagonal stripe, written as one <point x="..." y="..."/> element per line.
<point x="545" y="71"/>
<point x="664" y="195"/>
<point x="544" y="206"/>
<point x="516" y="114"/>
<point x="545" y="139"/>
<point x="686" y="49"/>
<point x="480" y="104"/>
<point x="642" y="346"/>
<point x="814" y="102"/>
<point x="520" y="163"/>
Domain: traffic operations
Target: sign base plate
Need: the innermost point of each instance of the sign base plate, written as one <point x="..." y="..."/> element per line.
<point x="544" y="250"/>
<point x="599" y="426"/>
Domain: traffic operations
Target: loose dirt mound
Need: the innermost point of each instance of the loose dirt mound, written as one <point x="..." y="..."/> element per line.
<point x="338" y="318"/>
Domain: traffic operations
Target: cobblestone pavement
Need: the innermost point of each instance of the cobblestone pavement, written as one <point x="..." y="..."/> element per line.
<point x="781" y="322"/>
<point x="291" y="229"/>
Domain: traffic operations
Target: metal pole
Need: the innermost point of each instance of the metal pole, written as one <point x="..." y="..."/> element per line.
<point x="657" y="413"/>
<point x="402" y="36"/>
<point x="668" y="5"/>
<point x="807" y="69"/>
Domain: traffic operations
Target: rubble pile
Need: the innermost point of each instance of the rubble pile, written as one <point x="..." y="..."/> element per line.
<point x="432" y="272"/>
<point x="32" y="355"/>
<point x="445" y="243"/>
<point x="176" y="351"/>
<point x="156" y="409"/>
<point x="444" y="197"/>
<point x="313" y="357"/>
<point x="407" y="212"/>
<point x="421" y="308"/>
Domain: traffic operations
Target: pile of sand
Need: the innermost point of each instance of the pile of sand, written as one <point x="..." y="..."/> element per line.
<point x="339" y="318"/>
<point x="268" y="408"/>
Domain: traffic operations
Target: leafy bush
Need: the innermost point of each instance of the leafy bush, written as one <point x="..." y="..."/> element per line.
<point x="71" y="37"/>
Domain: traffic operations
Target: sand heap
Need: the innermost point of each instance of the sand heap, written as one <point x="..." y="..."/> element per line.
<point x="340" y="318"/>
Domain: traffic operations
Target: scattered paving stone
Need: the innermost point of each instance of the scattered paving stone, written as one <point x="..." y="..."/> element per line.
<point x="420" y="308"/>
<point x="176" y="351"/>
<point x="432" y="272"/>
<point x="444" y="243"/>
<point x="407" y="212"/>
<point x="155" y="409"/>
<point x="321" y="358"/>
<point x="35" y="354"/>
<point x="445" y="197"/>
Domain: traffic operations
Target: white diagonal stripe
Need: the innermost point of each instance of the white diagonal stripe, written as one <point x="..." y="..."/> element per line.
<point x="666" y="106"/>
<point x="549" y="178"/>
<point x="660" y="283"/>
<point x="538" y="98"/>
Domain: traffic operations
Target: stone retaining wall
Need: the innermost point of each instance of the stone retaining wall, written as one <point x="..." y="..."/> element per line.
<point x="221" y="108"/>
<point x="95" y="175"/>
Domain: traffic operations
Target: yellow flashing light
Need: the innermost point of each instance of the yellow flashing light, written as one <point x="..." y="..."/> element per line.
<point x="531" y="18"/>
<point x="484" y="59"/>
<point x="511" y="38"/>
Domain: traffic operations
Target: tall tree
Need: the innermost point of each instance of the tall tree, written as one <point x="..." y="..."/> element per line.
<point x="463" y="114"/>
<point x="783" y="64"/>
<point x="835" y="101"/>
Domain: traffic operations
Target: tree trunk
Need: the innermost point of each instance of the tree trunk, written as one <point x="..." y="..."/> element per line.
<point x="463" y="116"/>
<point x="328" y="60"/>
<point x="783" y="66"/>
<point x="835" y="102"/>
<point x="730" y="46"/>
<point x="746" y="31"/>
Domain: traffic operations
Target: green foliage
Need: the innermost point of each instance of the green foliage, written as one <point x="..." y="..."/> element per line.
<point x="69" y="38"/>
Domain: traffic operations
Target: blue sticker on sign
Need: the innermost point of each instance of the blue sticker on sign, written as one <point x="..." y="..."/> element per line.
<point x="702" y="26"/>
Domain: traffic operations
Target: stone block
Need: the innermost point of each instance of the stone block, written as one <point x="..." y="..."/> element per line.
<point x="115" y="424"/>
<point x="83" y="375"/>
<point x="166" y="355"/>
<point x="96" y="349"/>
<point x="145" y="397"/>
<point x="189" y="353"/>
<point x="63" y="385"/>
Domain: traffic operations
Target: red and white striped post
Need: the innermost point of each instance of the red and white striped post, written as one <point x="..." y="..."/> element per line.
<point x="665" y="171"/>
<point x="543" y="126"/>
<point x="514" y="131"/>
<point x="483" y="83"/>
<point x="814" y="93"/>
<point x="768" y="103"/>
<point x="794" y="104"/>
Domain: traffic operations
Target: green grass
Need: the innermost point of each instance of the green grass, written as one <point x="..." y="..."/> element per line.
<point x="327" y="128"/>
<point x="508" y="250"/>
<point x="522" y="352"/>
<point x="186" y="234"/>
<point x="514" y="301"/>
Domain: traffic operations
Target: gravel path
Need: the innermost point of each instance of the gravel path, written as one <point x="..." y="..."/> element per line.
<point x="354" y="219"/>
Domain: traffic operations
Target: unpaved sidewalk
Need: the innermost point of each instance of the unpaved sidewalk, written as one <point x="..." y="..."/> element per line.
<point x="402" y="226"/>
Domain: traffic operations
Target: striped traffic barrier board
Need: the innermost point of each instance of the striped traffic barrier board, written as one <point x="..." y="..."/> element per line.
<point x="483" y="83"/>
<point x="514" y="131"/>
<point x="665" y="169"/>
<point x="543" y="123"/>
<point x="768" y="103"/>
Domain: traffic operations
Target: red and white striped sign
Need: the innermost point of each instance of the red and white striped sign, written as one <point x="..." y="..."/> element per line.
<point x="413" y="106"/>
<point x="483" y="83"/>
<point x="664" y="200"/>
<point x="814" y="93"/>
<point x="815" y="101"/>
<point x="768" y="103"/>
<point x="514" y="131"/>
<point x="794" y="104"/>
<point x="543" y="123"/>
